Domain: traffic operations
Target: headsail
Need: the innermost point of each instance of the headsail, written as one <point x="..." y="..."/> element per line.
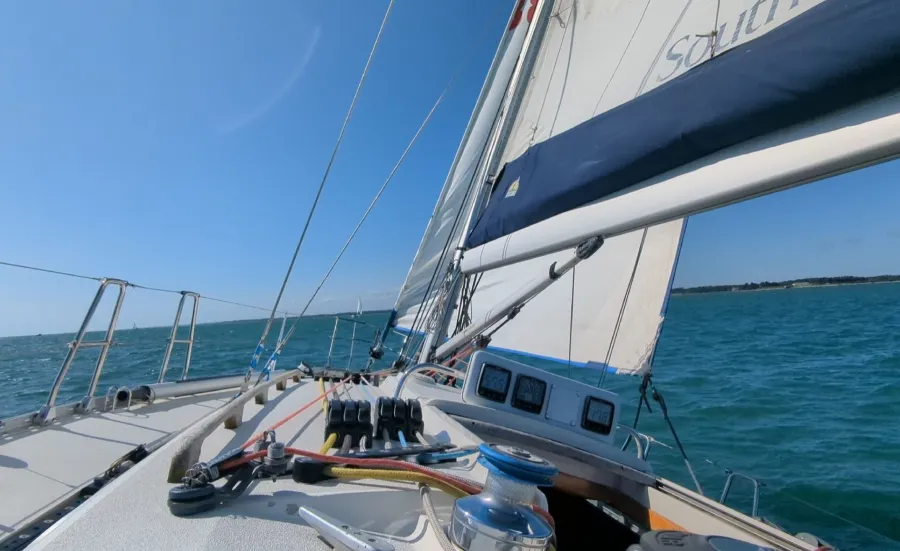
<point x="446" y="222"/>
<point x="596" y="56"/>
<point x="623" y="285"/>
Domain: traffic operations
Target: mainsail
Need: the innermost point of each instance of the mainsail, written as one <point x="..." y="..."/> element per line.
<point x="815" y="98"/>
<point x="635" y="180"/>
<point x="596" y="56"/>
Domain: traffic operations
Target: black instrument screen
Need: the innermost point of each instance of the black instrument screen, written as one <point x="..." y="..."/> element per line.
<point x="494" y="383"/>
<point x="529" y="394"/>
<point x="598" y="415"/>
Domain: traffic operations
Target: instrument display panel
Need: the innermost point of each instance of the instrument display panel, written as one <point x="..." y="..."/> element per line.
<point x="529" y="394"/>
<point x="494" y="383"/>
<point x="535" y="395"/>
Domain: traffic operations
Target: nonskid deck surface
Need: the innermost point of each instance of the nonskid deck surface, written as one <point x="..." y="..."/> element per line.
<point x="132" y="511"/>
<point x="39" y="466"/>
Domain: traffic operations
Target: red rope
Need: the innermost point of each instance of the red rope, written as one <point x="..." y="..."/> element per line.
<point x="303" y="408"/>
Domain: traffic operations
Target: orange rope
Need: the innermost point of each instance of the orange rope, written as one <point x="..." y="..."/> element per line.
<point x="362" y="462"/>
<point x="455" y="482"/>
<point x="257" y="436"/>
<point x="464" y="352"/>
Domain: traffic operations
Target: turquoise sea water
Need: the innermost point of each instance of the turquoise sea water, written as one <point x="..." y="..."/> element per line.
<point x="799" y="388"/>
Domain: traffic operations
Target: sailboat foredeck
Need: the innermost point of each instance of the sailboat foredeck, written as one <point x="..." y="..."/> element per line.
<point x="133" y="510"/>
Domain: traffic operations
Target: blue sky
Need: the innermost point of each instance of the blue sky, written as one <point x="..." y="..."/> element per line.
<point x="180" y="146"/>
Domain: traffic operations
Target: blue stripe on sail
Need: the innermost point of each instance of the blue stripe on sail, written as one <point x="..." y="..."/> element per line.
<point x="836" y="55"/>
<point x="408" y="331"/>
<point x="600" y="366"/>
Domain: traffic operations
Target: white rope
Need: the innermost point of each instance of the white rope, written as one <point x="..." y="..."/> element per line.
<point x="428" y="506"/>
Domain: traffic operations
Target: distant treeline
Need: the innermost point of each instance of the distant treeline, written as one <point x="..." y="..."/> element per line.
<point x="806" y="282"/>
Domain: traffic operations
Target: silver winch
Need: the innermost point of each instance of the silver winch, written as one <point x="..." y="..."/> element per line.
<point x="502" y="516"/>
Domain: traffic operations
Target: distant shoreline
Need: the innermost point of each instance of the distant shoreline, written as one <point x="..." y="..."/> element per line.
<point x="183" y="323"/>
<point x="789" y="284"/>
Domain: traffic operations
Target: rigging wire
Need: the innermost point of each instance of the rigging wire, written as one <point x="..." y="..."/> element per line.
<point x="428" y="301"/>
<point x="621" y="58"/>
<point x="386" y="182"/>
<point x="571" y="321"/>
<point x="781" y="491"/>
<point x="312" y="210"/>
<point x="562" y="41"/>
<point x="137" y="286"/>
<point x="615" y="335"/>
<point x="384" y="185"/>
<point x="36" y="269"/>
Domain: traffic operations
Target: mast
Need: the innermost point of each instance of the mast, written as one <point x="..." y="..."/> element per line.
<point x="505" y="118"/>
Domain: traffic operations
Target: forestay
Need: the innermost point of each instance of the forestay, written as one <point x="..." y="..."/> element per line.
<point x="446" y="223"/>
<point x="595" y="56"/>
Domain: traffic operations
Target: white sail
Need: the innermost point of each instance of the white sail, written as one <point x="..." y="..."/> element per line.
<point x="447" y="222"/>
<point x="848" y="140"/>
<point x="593" y="308"/>
<point x="596" y="55"/>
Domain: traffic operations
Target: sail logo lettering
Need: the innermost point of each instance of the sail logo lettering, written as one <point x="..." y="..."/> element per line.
<point x="513" y="189"/>
<point x="690" y="49"/>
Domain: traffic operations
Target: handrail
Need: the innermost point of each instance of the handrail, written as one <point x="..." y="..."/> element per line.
<point x="428" y="366"/>
<point x="643" y="450"/>
<point x="352" y="339"/>
<point x="727" y="488"/>
<point x="173" y="340"/>
<point x="47" y="413"/>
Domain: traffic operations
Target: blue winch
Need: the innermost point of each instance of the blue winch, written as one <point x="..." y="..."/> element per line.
<point x="501" y="516"/>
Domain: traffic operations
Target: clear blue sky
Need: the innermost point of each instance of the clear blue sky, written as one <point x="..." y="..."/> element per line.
<point x="180" y="145"/>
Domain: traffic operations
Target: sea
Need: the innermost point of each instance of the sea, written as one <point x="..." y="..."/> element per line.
<point x="798" y="388"/>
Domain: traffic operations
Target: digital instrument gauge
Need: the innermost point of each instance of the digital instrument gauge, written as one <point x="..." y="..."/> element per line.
<point x="598" y="415"/>
<point x="494" y="383"/>
<point x="529" y="394"/>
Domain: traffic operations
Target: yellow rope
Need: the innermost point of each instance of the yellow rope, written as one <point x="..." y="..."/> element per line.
<point x="324" y="398"/>
<point x="332" y="438"/>
<point x="398" y="476"/>
<point x="329" y="442"/>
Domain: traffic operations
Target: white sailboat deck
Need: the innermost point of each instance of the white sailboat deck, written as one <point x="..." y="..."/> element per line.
<point x="132" y="511"/>
<point x="39" y="466"/>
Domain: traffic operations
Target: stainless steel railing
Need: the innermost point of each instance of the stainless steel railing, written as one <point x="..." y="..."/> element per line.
<point x="173" y="340"/>
<point x="48" y="412"/>
<point x="352" y="339"/>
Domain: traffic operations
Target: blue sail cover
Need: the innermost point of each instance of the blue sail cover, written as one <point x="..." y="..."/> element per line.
<point x="837" y="54"/>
